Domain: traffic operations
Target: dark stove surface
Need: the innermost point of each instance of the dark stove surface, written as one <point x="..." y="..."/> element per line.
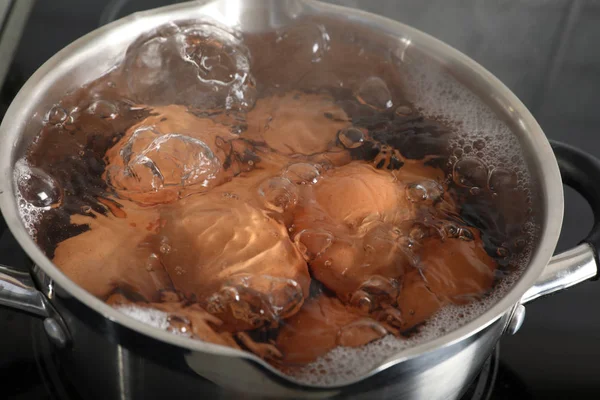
<point x="546" y="51"/>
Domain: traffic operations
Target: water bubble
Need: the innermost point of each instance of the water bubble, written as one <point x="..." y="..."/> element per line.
<point x="362" y="301"/>
<point x="149" y="70"/>
<point x="257" y="299"/>
<point x="278" y="194"/>
<point x="502" y="252"/>
<point x="470" y="172"/>
<point x="351" y="137"/>
<point x="403" y="111"/>
<point x="427" y="190"/>
<point x="152" y="263"/>
<point x="56" y="116"/>
<point x="392" y="316"/>
<point x="320" y="46"/>
<point x="179" y="325"/>
<point x="380" y="289"/>
<point x="417" y="233"/>
<point x="221" y="61"/>
<point x="169" y="296"/>
<point x="69" y="124"/>
<point x="375" y="93"/>
<point x="502" y="179"/>
<point x="314" y="39"/>
<point x="475" y="191"/>
<point x="313" y="243"/>
<point x="202" y="66"/>
<point x="302" y="173"/>
<point x="103" y="109"/>
<point x="360" y="332"/>
<point x="465" y="234"/>
<point x="416" y="193"/>
<point x="165" y="248"/>
<point x="179" y="270"/>
<point x="212" y="62"/>
<point x="479" y="144"/>
<point x="37" y="187"/>
<point x="520" y="243"/>
<point x="230" y="195"/>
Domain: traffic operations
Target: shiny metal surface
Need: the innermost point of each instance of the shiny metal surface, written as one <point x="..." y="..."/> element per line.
<point x="136" y="366"/>
<point x="18" y="291"/>
<point x="136" y="353"/>
<point x="516" y="320"/>
<point x="55" y="332"/>
<point x="563" y="271"/>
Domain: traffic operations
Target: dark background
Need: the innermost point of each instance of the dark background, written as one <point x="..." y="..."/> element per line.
<point x="546" y="51"/>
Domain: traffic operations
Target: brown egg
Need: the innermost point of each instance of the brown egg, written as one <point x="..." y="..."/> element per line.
<point x="296" y="123"/>
<point x="457" y="270"/>
<point x="235" y="259"/>
<point x="169" y="155"/>
<point x="366" y="214"/>
<point x="322" y="324"/>
<point x="416" y="302"/>
<point x="350" y="194"/>
<point x="451" y="271"/>
<point x="117" y="251"/>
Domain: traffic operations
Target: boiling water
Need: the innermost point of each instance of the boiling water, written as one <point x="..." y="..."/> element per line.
<point x="288" y="148"/>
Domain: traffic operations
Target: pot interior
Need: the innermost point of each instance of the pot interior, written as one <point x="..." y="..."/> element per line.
<point x="316" y="47"/>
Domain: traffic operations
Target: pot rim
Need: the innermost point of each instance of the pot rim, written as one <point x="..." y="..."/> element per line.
<point x="20" y="112"/>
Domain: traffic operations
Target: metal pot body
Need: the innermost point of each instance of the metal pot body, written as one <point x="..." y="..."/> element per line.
<point x="105" y="360"/>
<point x="110" y="355"/>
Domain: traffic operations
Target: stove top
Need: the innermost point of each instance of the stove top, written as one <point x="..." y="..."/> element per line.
<point x="544" y="50"/>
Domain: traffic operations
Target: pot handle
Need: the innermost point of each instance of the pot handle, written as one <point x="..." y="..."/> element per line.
<point x="18" y="292"/>
<point x="581" y="171"/>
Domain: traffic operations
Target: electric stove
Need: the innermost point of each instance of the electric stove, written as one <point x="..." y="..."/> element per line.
<point x="544" y="50"/>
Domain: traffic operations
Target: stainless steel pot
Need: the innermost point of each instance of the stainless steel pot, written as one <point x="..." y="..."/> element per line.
<point x="114" y="356"/>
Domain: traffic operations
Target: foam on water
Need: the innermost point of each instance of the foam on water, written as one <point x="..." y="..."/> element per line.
<point x="480" y="133"/>
<point x="156" y="318"/>
<point x="30" y="214"/>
